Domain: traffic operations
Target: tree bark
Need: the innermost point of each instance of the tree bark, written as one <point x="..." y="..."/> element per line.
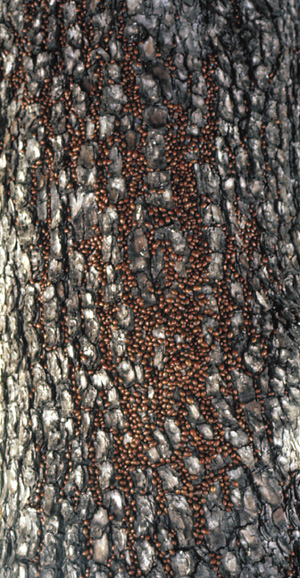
<point x="149" y="289"/>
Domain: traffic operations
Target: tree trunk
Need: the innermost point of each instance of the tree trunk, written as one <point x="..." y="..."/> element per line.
<point x="150" y="283"/>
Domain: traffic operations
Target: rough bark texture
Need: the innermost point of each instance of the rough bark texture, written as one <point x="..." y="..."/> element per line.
<point x="150" y="284"/>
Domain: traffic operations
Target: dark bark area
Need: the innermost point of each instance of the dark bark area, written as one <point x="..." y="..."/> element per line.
<point x="149" y="289"/>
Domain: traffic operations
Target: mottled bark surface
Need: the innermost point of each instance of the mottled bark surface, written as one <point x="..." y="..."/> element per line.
<point x="149" y="289"/>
